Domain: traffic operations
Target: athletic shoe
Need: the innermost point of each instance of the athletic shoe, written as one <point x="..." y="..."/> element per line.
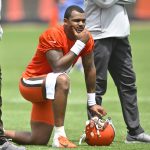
<point x="62" y="142"/>
<point x="7" y="145"/>
<point x="143" y="137"/>
<point x="3" y="139"/>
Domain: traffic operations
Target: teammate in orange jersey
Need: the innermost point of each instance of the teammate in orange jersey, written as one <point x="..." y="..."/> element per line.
<point x="45" y="81"/>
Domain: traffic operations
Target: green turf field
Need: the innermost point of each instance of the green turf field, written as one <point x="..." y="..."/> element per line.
<point x="17" y="48"/>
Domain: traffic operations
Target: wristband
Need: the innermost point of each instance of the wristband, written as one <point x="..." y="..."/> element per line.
<point x="91" y="99"/>
<point x="77" y="47"/>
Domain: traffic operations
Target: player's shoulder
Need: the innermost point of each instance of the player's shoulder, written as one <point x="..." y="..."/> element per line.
<point x="90" y="35"/>
<point x="55" y="32"/>
<point x="57" y="29"/>
<point x="91" y="40"/>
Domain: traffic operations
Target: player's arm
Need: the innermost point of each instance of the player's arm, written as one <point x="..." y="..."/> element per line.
<point x="89" y="72"/>
<point x="58" y="62"/>
<point x="105" y="3"/>
<point x="90" y="80"/>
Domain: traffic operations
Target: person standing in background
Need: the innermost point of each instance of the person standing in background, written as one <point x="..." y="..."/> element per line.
<point x="108" y="22"/>
<point x="5" y="144"/>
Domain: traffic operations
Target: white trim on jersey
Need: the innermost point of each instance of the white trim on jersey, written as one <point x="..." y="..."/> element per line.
<point x="32" y="82"/>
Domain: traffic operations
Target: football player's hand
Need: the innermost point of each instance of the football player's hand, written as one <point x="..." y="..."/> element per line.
<point x="82" y="36"/>
<point x="98" y="110"/>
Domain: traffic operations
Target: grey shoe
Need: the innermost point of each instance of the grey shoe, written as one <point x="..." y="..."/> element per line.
<point x="143" y="137"/>
<point x="10" y="146"/>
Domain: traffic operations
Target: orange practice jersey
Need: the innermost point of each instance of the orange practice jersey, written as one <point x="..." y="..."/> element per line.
<point x="53" y="38"/>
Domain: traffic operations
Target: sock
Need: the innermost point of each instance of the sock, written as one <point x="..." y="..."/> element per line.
<point x="59" y="131"/>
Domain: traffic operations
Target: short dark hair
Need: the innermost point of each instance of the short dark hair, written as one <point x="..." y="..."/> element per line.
<point x="72" y="8"/>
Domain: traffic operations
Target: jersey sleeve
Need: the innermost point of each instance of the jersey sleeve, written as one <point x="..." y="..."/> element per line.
<point x="89" y="47"/>
<point x="49" y="40"/>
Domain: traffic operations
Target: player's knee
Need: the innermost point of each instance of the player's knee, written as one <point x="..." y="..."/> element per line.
<point x="42" y="140"/>
<point x="41" y="133"/>
<point x="63" y="81"/>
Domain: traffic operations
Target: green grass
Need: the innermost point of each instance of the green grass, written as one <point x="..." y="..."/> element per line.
<point x="16" y="49"/>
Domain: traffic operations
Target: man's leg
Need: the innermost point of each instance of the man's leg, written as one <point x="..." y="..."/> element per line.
<point x="61" y="95"/>
<point x="59" y="108"/>
<point x="1" y="122"/>
<point x="121" y="69"/>
<point x="39" y="135"/>
<point x="4" y="143"/>
<point x="43" y="118"/>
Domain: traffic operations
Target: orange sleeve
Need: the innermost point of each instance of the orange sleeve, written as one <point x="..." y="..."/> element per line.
<point x="50" y="40"/>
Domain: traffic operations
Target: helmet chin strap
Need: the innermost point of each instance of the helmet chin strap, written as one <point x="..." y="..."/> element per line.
<point x="82" y="138"/>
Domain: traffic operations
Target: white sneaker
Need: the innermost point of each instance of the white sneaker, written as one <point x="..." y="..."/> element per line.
<point x="11" y="146"/>
<point x="143" y="137"/>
